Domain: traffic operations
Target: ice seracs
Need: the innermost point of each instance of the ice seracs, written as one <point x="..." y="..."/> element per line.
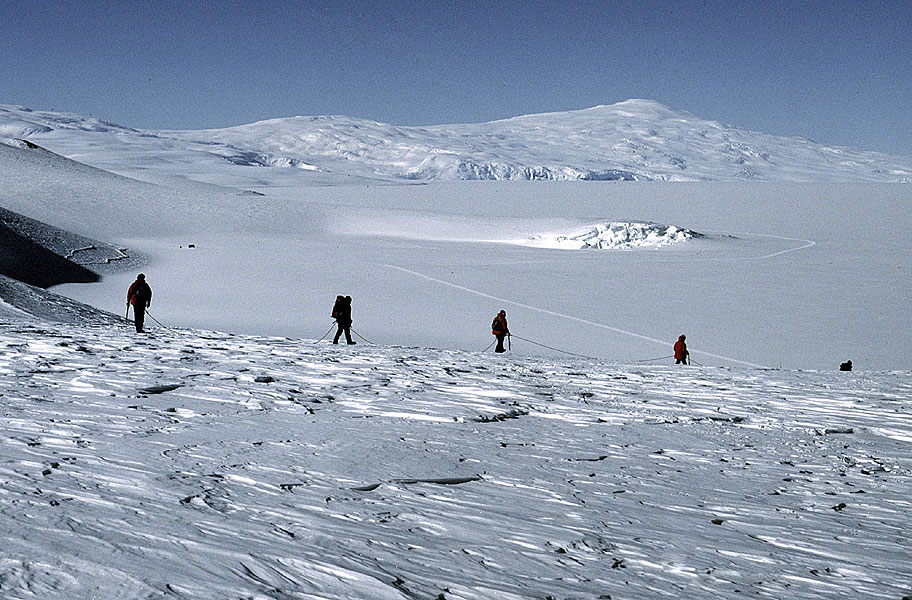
<point x="615" y="236"/>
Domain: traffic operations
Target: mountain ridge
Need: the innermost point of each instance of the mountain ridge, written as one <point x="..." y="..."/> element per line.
<point x="637" y="139"/>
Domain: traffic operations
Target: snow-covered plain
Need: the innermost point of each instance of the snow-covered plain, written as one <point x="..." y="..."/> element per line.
<point x="786" y="274"/>
<point x="194" y="464"/>
<point x="188" y="464"/>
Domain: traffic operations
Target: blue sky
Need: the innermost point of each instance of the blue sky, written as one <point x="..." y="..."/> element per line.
<point x="837" y="72"/>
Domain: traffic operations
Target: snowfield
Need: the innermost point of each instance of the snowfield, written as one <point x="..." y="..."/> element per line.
<point x="188" y="464"/>
<point x="228" y="455"/>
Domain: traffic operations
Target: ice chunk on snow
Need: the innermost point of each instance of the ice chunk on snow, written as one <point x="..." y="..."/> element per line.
<point x="615" y="236"/>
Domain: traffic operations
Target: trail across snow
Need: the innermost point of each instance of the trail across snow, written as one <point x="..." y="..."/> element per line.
<point x="565" y="316"/>
<point x="188" y="464"/>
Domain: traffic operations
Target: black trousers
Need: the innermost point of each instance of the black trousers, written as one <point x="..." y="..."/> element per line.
<point x="139" y="316"/>
<point x="500" y="340"/>
<point x="344" y="327"/>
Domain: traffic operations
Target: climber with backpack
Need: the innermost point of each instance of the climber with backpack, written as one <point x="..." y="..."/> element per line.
<point x="139" y="297"/>
<point x="500" y="330"/>
<point x="342" y="313"/>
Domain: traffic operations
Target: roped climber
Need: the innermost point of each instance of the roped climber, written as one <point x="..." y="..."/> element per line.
<point x="500" y="330"/>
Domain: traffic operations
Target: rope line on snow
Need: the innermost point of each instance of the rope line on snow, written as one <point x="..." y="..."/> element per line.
<point x="325" y="334"/>
<point x="655" y="359"/>
<point x="564" y="316"/>
<point x="154" y="319"/>
<point x="362" y="337"/>
<point x="552" y="348"/>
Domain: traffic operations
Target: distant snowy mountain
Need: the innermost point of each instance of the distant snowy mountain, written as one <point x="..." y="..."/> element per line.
<point x="632" y="140"/>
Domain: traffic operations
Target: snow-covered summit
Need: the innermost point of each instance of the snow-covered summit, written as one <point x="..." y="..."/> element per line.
<point x="631" y="140"/>
<point x="21" y="121"/>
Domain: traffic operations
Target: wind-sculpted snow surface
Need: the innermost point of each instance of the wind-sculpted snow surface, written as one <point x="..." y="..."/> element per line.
<point x="187" y="464"/>
<point x="628" y="141"/>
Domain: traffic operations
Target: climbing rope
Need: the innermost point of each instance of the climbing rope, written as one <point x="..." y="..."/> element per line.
<point x="552" y="348"/>
<point x="363" y="338"/>
<point x="655" y="359"/>
<point x="154" y="319"/>
<point x="326" y="334"/>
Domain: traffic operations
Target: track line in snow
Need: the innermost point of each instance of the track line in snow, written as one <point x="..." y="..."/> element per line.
<point x="805" y="244"/>
<point x="565" y="316"/>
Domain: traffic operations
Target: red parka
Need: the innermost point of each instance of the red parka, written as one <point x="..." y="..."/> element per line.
<point x="680" y="349"/>
<point x="499" y="326"/>
<point x="139" y="293"/>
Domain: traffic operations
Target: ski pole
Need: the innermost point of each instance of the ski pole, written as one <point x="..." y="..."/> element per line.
<point x="489" y="346"/>
<point x="127" y="316"/>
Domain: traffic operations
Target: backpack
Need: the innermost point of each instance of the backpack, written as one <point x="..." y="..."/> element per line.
<point x="497" y="325"/>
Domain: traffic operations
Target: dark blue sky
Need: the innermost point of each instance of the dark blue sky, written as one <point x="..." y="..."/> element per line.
<point x="838" y="72"/>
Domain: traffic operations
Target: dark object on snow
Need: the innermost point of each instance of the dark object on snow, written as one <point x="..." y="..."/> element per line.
<point x="500" y="330"/>
<point x="839" y="430"/>
<point x="160" y="389"/>
<point x="846" y="366"/>
<point x="366" y="488"/>
<point x="139" y="296"/>
<point x="440" y="481"/>
<point x="342" y="313"/>
<point x="681" y="353"/>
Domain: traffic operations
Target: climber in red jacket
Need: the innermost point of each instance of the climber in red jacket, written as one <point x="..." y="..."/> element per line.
<point x="682" y="355"/>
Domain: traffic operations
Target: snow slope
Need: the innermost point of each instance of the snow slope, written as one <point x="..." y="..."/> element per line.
<point x="193" y="464"/>
<point x="20" y="302"/>
<point x="632" y="140"/>
<point x="802" y="276"/>
<point x="190" y="464"/>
